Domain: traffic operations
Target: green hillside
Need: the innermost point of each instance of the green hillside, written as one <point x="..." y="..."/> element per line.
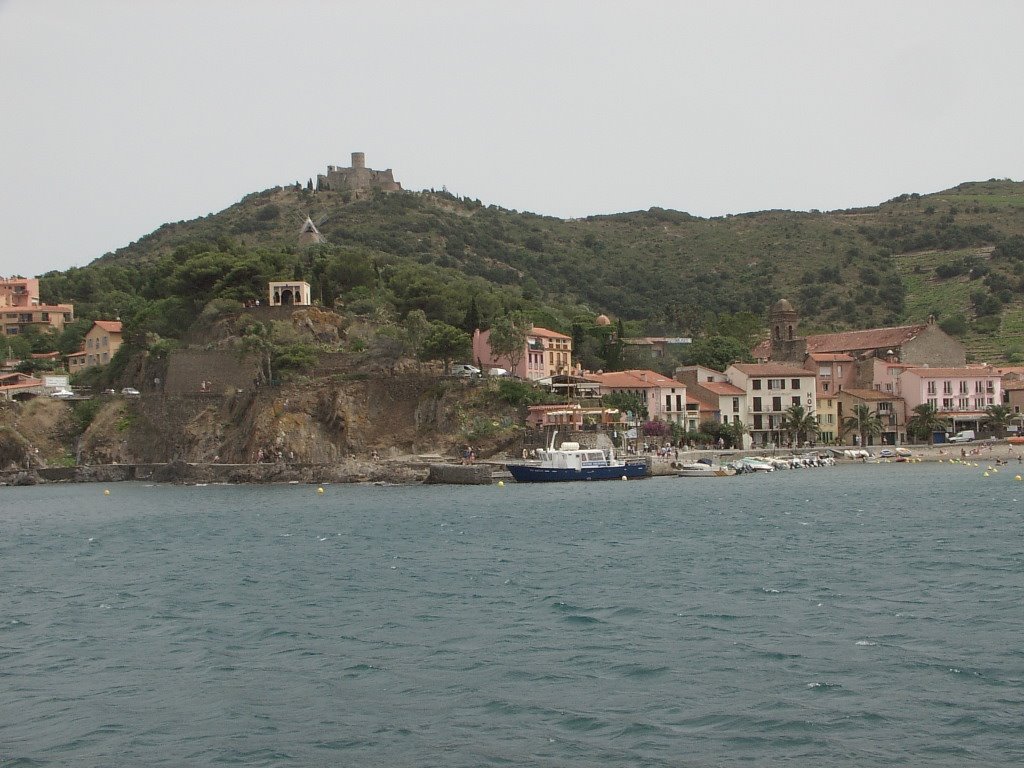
<point x="956" y="254"/>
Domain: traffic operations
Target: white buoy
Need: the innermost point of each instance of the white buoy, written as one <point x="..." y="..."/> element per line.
<point x="320" y="489"/>
<point x="624" y="477"/>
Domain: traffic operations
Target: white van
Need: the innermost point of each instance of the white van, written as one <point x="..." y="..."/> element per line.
<point x="964" y="436"/>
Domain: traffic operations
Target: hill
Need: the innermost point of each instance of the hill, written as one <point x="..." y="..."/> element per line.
<point x="956" y="254"/>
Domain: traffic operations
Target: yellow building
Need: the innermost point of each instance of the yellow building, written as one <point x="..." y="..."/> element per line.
<point x="101" y="342"/>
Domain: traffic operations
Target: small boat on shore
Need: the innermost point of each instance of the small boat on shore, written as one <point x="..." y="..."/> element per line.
<point x="571" y="462"/>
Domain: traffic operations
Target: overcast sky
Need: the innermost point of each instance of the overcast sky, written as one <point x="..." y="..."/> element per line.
<point x="118" y="116"/>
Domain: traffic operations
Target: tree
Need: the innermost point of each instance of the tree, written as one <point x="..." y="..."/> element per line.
<point x="925" y="422"/>
<point x="445" y="342"/>
<point x="508" y="339"/>
<point x="800" y="423"/>
<point x="737" y="430"/>
<point x="864" y="422"/>
<point x="472" y="320"/>
<point x="627" y="402"/>
<point x="998" y="417"/>
<point x="717" y="352"/>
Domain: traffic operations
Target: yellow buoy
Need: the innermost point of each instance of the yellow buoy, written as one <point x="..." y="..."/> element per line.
<point x="986" y="474"/>
<point x="106" y="491"/>
<point x="320" y="489"/>
<point x="501" y="483"/>
<point x="1017" y="478"/>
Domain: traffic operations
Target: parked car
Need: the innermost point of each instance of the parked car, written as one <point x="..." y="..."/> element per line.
<point x="130" y="392"/>
<point x="965" y="436"/>
<point x="62" y="394"/>
<point x="497" y="372"/>
<point x="464" y="369"/>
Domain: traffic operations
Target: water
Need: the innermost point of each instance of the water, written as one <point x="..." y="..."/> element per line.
<point x="860" y="616"/>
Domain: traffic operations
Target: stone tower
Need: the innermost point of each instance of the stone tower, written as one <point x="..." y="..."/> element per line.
<point x="784" y="322"/>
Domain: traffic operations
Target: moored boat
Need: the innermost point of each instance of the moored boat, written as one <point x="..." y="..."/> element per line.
<point x="699" y="469"/>
<point x="571" y="462"/>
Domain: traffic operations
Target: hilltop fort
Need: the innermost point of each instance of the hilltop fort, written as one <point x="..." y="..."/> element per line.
<point x="357" y="177"/>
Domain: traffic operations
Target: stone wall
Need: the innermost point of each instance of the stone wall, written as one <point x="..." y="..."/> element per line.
<point x="935" y="348"/>
<point x="224" y="371"/>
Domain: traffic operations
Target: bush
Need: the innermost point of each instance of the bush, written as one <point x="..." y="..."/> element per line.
<point x="519" y="393"/>
<point x="955" y="325"/>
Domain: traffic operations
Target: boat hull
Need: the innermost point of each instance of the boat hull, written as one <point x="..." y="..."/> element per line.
<point x="525" y="473"/>
<point x="714" y="472"/>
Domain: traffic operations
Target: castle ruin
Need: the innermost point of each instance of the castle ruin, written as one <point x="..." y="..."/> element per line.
<point x="357" y="178"/>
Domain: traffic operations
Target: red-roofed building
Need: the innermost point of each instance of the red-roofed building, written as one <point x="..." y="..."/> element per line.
<point x="548" y="353"/>
<point x="920" y="344"/>
<point x="100" y="344"/>
<point x="665" y="398"/>
<point x="20" y="307"/>
<point x="888" y="406"/>
<point x="959" y="394"/>
<point x="15" y="386"/>
<point x="771" y="389"/>
<point x="722" y="401"/>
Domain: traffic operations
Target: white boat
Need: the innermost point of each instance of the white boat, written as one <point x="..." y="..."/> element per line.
<point x="699" y="469"/>
<point x="571" y="462"/>
<point x="753" y="464"/>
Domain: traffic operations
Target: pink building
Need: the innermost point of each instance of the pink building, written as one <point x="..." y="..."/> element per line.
<point x="20" y="307"/>
<point x="547" y="353"/>
<point x="958" y="394"/>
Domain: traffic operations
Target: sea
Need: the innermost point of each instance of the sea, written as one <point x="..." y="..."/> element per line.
<point x="868" y="615"/>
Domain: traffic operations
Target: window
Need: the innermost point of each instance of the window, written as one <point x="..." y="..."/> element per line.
<point x="979" y="403"/>
<point x="796" y="384"/>
<point x="947" y="387"/>
<point x="735" y="405"/>
<point x="839" y="371"/>
<point x="884" y="407"/>
<point x="931" y="387"/>
<point x="776" y="383"/>
<point x="963" y="387"/>
<point x="978" y="389"/>
<point x="963" y="403"/>
<point x="796" y="399"/>
<point x="933" y="402"/>
<point x="776" y="403"/>
<point x="947" y="403"/>
<point x="989" y="387"/>
<point x="824" y="371"/>
<point x="755" y="383"/>
<point x="824" y="386"/>
<point x="758" y="422"/>
<point x="757" y="404"/>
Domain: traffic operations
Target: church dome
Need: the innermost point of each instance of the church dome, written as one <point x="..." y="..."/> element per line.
<point x="782" y="305"/>
<point x="603" y="320"/>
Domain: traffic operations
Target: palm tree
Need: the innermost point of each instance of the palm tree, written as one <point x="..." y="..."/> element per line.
<point x="925" y="422"/>
<point x="736" y="431"/>
<point x="799" y="423"/>
<point x="999" y="417"/>
<point x="864" y="422"/>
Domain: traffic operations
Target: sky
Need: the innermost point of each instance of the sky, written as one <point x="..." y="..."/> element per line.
<point x="117" y="116"/>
